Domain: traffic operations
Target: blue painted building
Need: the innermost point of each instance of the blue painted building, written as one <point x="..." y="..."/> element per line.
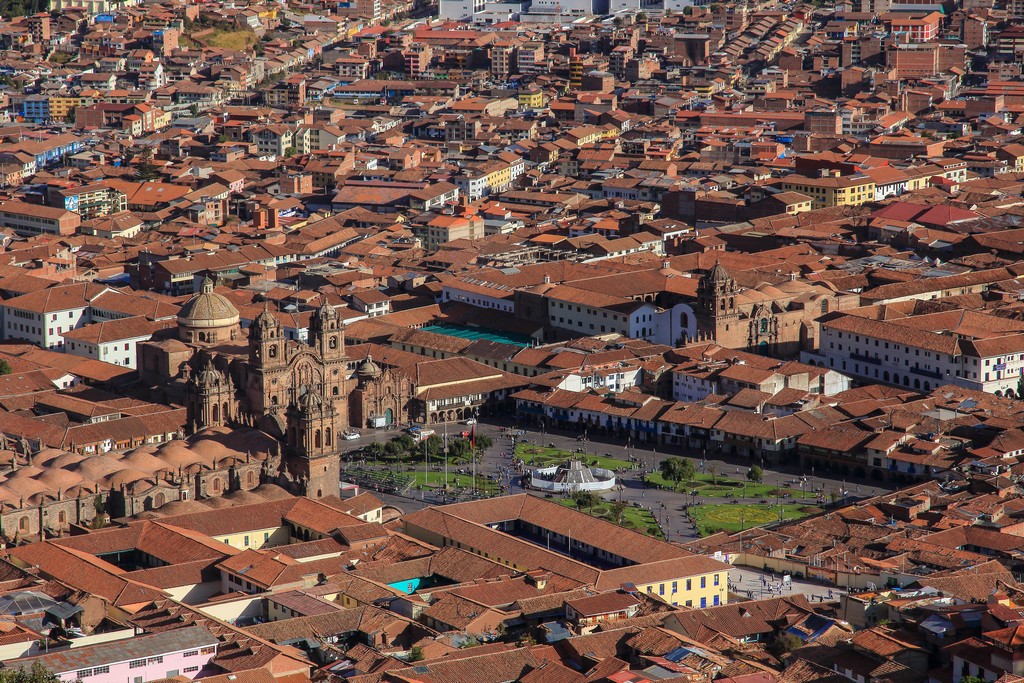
<point x="36" y="108"/>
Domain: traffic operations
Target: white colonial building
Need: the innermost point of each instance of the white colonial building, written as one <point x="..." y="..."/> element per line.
<point x="923" y="352"/>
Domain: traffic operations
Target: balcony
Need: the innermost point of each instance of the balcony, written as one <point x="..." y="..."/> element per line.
<point x="866" y="359"/>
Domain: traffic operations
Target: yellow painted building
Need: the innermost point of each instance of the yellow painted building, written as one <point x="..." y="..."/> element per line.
<point x="499" y="177"/>
<point x="585" y="135"/>
<point x="62" y="106"/>
<point x="832" y="190"/>
<point x="700" y="590"/>
<point x="531" y="99"/>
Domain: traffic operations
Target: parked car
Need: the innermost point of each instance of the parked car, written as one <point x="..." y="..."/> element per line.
<point x="351" y="436"/>
<point x="471" y="421"/>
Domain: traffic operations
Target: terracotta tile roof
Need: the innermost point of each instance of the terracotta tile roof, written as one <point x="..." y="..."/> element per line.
<point x="486" y="667"/>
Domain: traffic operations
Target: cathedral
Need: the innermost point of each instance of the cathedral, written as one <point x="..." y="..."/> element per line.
<point x="298" y="392"/>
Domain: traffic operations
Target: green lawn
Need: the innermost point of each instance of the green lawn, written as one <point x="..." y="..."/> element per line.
<point x="637" y="519"/>
<point x="729" y="517"/>
<point x="723" y="487"/>
<point x="435" y="480"/>
<point x="542" y="456"/>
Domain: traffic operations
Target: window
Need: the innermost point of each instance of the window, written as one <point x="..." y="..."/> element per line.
<point x="661" y="589"/>
<point x="155" y="660"/>
<point x="191" y="653"/>
<point x="703" y="603"/>
<point x="136" y="663"/>
<point x="190" y="669"/>
<point x="716" y="579"/>
<point x="689" y="584"/>
<point x="703" y="582"/>
<point x="675" y="586"/>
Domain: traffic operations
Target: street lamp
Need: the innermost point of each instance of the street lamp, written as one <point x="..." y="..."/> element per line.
<point x="472" y="454"/>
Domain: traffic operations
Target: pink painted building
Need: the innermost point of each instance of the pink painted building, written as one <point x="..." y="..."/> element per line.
<point x="185" y="651"/>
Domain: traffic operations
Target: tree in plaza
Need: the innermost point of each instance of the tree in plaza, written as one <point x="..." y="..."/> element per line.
<point x="435" y="445"/>
<point x="755" y="474"/>
<point x="713" y="471"/>
<point x="458" y="449"/>
<point x="37" y="674"/>
<point x="398" y="447"/>
<point x="374" y="449"/>
<point x="404" y="442"/>
<point x="618" y="511"/>
<point x="677" y="470"/>
<point x="483" y="442"/>
<point x="586" y="499"/>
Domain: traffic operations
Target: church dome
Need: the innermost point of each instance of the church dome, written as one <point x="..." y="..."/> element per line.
<point x="368" y="368"/>
<point x="718" y="273"/>
<point x="208" y="309"/>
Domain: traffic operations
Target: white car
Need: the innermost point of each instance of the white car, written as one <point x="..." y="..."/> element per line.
<point x="471" y="421"/>
<point x="351" y="436"/>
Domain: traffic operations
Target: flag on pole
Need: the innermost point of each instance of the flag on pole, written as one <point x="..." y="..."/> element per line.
<point x="472" y="437"/>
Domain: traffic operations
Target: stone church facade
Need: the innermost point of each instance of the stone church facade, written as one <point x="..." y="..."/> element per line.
<point x="307" y="394"/>
<point x="770" y="319"/>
